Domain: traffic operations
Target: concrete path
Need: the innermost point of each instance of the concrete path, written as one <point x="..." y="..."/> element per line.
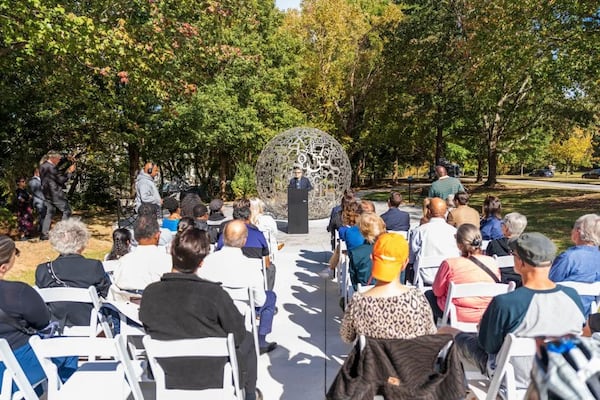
<point x="310" y="350"/>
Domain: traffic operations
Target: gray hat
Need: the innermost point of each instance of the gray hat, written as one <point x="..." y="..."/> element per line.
<point x="533" y="248"/>
<point x="7" y="248"/>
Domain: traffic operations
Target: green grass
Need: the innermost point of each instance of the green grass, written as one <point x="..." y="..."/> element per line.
<point x="549" y="211"/>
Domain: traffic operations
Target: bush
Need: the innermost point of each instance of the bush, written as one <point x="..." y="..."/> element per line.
<point x="244" y="181"/>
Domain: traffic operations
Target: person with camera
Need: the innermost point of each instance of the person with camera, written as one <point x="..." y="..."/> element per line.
<point x="53" y="185"/>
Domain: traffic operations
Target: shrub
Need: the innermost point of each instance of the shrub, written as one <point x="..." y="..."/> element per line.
<point x="244" y="181"/>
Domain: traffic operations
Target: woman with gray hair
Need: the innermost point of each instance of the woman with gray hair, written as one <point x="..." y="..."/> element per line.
<point x="71" y="269"/>
<point x="513" y="224"/>
<point x="580" y="263"/>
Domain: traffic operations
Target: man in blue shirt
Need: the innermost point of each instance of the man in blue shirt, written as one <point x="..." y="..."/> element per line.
<point x="581" y="263"/>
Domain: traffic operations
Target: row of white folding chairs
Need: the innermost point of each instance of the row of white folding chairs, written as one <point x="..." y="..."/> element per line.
<point x="116" y="378"/>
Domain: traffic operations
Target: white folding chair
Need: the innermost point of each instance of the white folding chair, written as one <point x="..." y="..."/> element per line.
<point x="484" y="244"/>
<point x="79" y="295"/>
<point x="475" y="289"/>
<point x="98" y="379"/>
<point x="585" y="289"/>
<point x="426" y="269"/>
<point x="505" y="261"/>
<point x="14" y="373"/>
<point x="206" y="347"/>
<point x="243" y="298"/>
<point x="504" y="374"/>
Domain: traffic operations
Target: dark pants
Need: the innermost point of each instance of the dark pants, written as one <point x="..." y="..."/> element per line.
<point x="248" y="371"/>
<point x="437" y="311"/>
<point x="469" y="350"/>
<point x="266" y="312"/>
<point x="40" y="207"/>
<point x="51" y="206"/>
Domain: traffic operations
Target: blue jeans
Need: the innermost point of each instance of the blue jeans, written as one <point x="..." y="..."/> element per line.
<point x="33" y="370"/>
<point x="266" y="313"/>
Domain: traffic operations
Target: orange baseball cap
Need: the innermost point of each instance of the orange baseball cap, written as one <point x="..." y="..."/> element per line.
<point x="389" y="255"/>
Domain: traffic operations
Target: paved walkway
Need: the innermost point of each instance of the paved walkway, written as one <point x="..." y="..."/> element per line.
<point x="310" y="350"/>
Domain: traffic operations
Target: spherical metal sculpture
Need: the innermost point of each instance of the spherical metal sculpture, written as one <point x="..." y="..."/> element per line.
<point x="323" y="160"/>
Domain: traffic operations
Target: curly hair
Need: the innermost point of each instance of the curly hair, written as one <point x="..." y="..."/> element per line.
<point x="370" y="225"/>
<point x="69" y="236"/>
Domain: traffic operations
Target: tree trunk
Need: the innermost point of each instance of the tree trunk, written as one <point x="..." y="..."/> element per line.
<point x="395" y="174"/>
<point x="480" y="164"/>
<point x="439" y="142"/>
<point x="492" y="156"/>
<point x="222" y="175"/>
<point x="133" y="153"/>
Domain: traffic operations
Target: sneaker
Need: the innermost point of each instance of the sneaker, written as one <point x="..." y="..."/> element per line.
<point x="259" y="395"/>
<point x="268" y="347"/>
<point x="43" y="237"/>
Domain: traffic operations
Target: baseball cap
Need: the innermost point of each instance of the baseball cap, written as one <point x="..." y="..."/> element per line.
<point x="533" y="248"/>
<point x="389" y="254"/>
<point x="7" y="248"/>
<point x="215" y="204"/>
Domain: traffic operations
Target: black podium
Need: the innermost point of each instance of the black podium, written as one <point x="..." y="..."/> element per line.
<point x="297" y="210"/>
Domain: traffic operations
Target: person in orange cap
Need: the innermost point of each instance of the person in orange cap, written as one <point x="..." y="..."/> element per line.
<point x="389" y="310"/>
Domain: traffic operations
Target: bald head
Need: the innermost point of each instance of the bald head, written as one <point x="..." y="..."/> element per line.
<point x="440" y="171"/>
<point x="235" y="234"/>
<point x="437" y="208"/>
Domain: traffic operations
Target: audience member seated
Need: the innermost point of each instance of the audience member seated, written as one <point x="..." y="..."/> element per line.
<point x="434" y="238"/>
<point x="216" y="220"/>
<point x="184" y="306"/>
<point x="200" y="213"/>
<point x="69" y="238"/>
<point x="371" y="226"/>
<point x="232" y="268"/>
<point x="470" y="267"/>
<point x="335" y="219"/>
<point x="256" y="244"/>
<point x="490" y="221"/>
<point x="389" y="310"/>
<point x="188" y="202"/>
<point x="166" y="235"/>
<point x="425" y="218"/>
<point x="539" y="308"/>
<point x="170" y="222"/>
<point x="580" y="263"/>
<point x="147" y="262"/>
<point x="450" y="205"/>
<point x="266" y="224"/>
<point x="121" y="246"/>
<point x="394" y="218"/>
<point x="512" y="225"/>
<point x="350" y="212"/>
<point x="25" y="307"/>
<point x="352" y="236"/>
<point x="463" y="213"/>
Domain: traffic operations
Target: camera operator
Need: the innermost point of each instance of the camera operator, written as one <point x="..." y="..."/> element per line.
<point x="53" y="185"/>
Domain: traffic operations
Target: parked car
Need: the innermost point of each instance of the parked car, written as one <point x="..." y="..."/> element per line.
<point x="593" y="174"/>
<point x="542" y="172"/>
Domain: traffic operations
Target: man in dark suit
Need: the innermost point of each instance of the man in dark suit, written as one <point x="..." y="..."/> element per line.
<point x="53" y="185"/>
<point x="299" y="181"/>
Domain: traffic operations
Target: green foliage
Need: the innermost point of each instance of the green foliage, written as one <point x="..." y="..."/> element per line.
<point x="244" y="181"/>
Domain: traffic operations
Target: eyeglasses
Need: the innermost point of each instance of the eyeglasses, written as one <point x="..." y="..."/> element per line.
<point x="17" y="252"/>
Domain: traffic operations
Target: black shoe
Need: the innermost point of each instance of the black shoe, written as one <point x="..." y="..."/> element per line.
<point x="259" y="395"/>
<point x="268" y="348"/>
<point x="43" y="237"/>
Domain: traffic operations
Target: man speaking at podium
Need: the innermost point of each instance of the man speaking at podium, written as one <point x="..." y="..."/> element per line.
<point x="299" y="181"/>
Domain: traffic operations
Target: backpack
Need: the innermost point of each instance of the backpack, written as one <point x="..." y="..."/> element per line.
<point x="567" y="368"/>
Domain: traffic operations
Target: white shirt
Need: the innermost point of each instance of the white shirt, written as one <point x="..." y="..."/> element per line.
<point x="435" y="238"/>
<point x="232" y="268"/>
<point x="141" y="267"/>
